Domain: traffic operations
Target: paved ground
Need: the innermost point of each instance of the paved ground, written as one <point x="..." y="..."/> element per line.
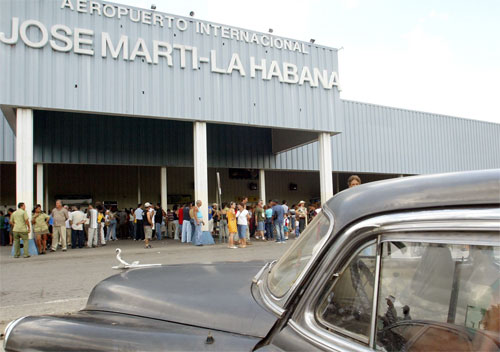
<point x="61" y="282"/>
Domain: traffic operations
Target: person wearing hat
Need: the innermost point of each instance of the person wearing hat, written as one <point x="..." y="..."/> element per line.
<point x="148" y="224"/>
<point x="301" y="213"/>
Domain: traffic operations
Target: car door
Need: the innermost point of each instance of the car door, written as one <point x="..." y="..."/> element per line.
<point x="438" y="270"/>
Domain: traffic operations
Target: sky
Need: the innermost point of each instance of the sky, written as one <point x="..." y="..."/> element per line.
<point x="439" y="56"/>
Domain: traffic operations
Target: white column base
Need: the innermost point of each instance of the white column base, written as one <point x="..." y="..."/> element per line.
<point x="325" y="167"/>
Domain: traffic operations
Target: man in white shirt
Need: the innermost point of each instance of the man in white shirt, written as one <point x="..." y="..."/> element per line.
<point x="93" y="233"/>
<point x="139" y="223"/>
<point x="76" y="220"/>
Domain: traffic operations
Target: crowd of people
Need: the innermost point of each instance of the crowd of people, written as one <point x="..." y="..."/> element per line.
<point x="233" y="223"/>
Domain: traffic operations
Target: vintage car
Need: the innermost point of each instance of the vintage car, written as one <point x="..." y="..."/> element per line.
<point x="408" y="264"/>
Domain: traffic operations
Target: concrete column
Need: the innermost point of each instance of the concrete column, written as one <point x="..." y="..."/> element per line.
<point x="24" y="158"/>
<point x="201" y="168"/>
<point x="262" y="185"/>
<point x="138" y="185"/>
<point x="325" y="167"/>
<point x="39" y="185"/>
<point x="164" y="188"/>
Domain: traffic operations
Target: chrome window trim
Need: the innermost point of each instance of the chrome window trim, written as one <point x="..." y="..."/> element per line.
<point x="376" y="285"/>
<point x="277" y="304"/>
<point x="470" y="219"/>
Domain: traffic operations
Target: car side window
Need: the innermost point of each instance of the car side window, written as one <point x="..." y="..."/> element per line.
<point x="347" y="306"/>
<point x="438" y="297"/>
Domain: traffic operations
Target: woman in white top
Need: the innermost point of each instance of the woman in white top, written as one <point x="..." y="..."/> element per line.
<point x="242" y="217"/>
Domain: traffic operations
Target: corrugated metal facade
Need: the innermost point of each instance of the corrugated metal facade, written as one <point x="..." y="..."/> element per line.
<point x="70" y="138"/>
<point x="380" y="139"/>
<point x="377" y="139"/>
<point x="47" y="79"/>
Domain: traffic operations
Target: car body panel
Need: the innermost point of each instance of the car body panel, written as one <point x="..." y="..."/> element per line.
<point x="105" y="332"/>
<point x="215" y="296"/>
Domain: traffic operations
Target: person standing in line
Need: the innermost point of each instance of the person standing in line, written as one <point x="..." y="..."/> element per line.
<point x="312" y="213"/>
<point x="186" y="224"/>
<point x="215" y="218"/>
<point x="244" y="202"/>
<point x="242" y="222"/>
<point x="268" y="212"/>
<point x="260" y="219"/>
<point x="231" y="224"/>
<point x="93" y="229"/>
<point x="49" y="235"/>
<point x="139" y="223"/>
<point x="164" y="226"/>
<point x="40" y="222"/>
<point x="158" y="217"/>
<point x="301" y="213"/>
<point x="284" y="204"/>
<point x="8" y="226"/>
<point x="210" y="218"/>
<point x="68" y="226"/>
<point x="130" y="223"/>
<point x="292" y="218"/>
<point x="353" y="181"/>
<point x="192" y="221"/>
<point x="3" y="232"/>
<point x="223" y="229"/>
<point x="198" y="218"/>
<point x="101" y="219"/>
<point x="286" y="226"/>
<point x="122" y="218"/>
<point x="180" y="216"/>
<point x="20" y="228"/>
<point x="112" y="224"/>
<point x="170" y="223"/>
<point x="251" y="223"/>
<point x="59" y="215"/>
<point x="106" y="224"/>
<point x="148" y="224"/>
<point x="278" y="219"/>
<point x="76" y="220"/>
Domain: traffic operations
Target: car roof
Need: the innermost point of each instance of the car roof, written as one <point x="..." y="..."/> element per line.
<point x="415" y="192"/>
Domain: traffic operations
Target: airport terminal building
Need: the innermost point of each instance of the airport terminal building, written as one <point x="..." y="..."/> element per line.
<point x="106" y="102"/>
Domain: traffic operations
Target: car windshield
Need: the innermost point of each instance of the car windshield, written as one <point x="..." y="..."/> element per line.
<point x="290" y="266"/>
